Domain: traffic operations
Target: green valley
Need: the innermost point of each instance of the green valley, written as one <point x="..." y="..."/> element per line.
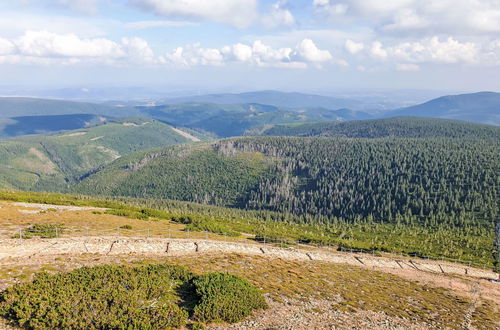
<point x="57" y="161"/>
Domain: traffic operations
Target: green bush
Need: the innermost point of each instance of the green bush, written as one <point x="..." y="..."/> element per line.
<point x="104" y="297"/>
<point x="119" y="297"/>
<point x="42" y="231"/>
<point x="225" y="298"/>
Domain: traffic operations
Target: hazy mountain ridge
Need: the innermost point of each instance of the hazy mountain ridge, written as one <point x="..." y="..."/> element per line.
<point x="26" y="106"/>
<point x="483" y="107"/>
<point x="275" y="98"/>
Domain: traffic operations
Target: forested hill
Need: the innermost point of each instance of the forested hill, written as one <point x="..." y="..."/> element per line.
<point x="26" y="106"/>
<point x="428" y="181"/>
<point x="401" y="127"/>
<point x="53" y="162"/>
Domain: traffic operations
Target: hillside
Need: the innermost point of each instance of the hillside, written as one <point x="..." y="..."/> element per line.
<point x="129" y="259"/>
<point x="431" y="180"/>
<point x="25" y="106"/>
<point x="483" y="107"/>
<point x="226" y="120"/>
<point x="400" y="127"/>
<point x="27" y="125"/>
<point x="54" y="162"/>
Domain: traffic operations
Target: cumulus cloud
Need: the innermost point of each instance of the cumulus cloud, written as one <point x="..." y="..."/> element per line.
<point x="258" y="53"/>
<point x="239" y="13"/>
<point x="46" y="44"/>
<point x="353" y="47"/>
<point x="377" y="50"/>
<point x="279" y="16"/>
<point x="42" y="47"/>
<point x="436" y="51"/>
<point x="307" y="51"/>
<point x="419" y="16"/>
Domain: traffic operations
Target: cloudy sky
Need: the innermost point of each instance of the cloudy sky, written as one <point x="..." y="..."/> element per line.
<point x="252" y="44"/>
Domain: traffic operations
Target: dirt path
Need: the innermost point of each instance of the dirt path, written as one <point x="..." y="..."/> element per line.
<point x="15" y="248"/>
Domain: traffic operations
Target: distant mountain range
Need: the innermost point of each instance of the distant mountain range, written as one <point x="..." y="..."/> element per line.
<point x="26" y="106"/>
<point x="278" y="99"/>
<point x="226" y="115"/>
<point x="483" y="107"/>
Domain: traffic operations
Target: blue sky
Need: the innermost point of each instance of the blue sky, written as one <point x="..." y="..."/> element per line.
<point x="300" y="45"/>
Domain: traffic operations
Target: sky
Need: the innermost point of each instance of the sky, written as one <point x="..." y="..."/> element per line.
<point x="300" y="45"/>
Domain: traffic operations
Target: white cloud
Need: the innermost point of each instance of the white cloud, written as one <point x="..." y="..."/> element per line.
<point x="306" y="50"/>
<point x="138" y="50"/>
<point x="426" y="17"/>
<point x="377" y="50"/>
<point x="354" y="47"/>
<point x="46" y="44"/>
<point x="42" y="47"/>
<point x="434" y="50"/>
<point x="278" y="16"/>
<point x="239" y="13"/>
<point x="155" y="24"/>
<point x="195" y="55"/>
<point x="431" y="50"/>
<point x="258" y="54"/>
<point x="6" y="47"/>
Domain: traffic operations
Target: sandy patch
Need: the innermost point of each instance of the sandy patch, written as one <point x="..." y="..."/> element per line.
<point x="96" y="138"/>
<point x="134" y="124"/>
<point x="57" y="207"/>
<point x="74" y="134"/>
<point x="186" y="134"/>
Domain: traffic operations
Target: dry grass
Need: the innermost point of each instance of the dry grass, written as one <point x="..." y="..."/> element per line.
<point x="93" y="223"/>
<point x="347" y="288"/>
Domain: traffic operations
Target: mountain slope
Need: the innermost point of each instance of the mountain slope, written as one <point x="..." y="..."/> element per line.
<point x="483" y="107"/>
<point x="403" y="127"/>
<point x="54" y="162"/>
<point x="431" y="180"/>
<point x="26" y="125"/>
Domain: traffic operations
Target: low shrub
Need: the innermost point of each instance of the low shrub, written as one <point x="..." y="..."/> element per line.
<point x="44" y="230"/>
<point x="104" y="297"/>
<point x="119" y="297"/>
<point x="225" y="298"/>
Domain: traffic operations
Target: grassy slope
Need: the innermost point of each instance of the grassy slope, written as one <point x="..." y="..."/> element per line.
<point x="51" y="162"/>
<point x="192" y="173"/>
